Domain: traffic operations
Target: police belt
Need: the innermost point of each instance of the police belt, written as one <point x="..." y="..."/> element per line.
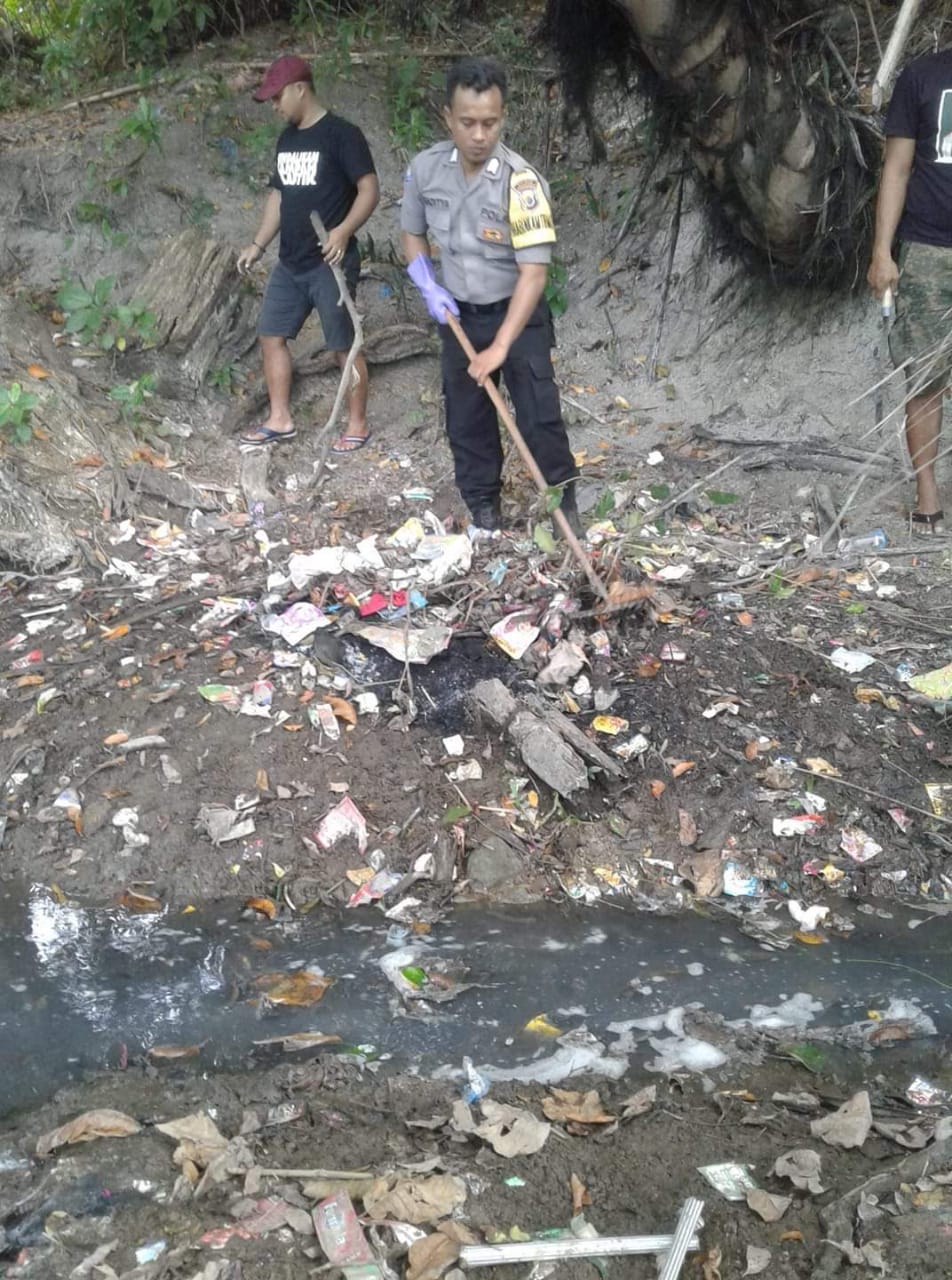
<point x="483" y="308"/>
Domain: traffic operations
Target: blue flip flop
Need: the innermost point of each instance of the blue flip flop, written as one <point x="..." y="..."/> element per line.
<point x="355" y="442"/>
<point x="267" y="436"/>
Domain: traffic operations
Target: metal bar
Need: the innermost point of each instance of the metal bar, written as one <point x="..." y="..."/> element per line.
<point x="684" y="1233"/>
<point x="500" y="1255"/>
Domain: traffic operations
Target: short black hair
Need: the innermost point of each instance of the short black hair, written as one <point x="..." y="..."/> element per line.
<point x="478" y="74"/>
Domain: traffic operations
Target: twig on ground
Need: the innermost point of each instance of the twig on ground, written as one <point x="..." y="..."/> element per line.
<point x="673" y="235"/>
<point x="874" y="795"/>
<point x="589" y="413"/>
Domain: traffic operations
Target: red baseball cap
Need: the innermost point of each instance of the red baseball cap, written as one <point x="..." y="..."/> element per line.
<point x="289" y="69"/>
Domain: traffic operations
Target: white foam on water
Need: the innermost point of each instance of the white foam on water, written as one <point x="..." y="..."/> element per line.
<point x="796" y="1011"/>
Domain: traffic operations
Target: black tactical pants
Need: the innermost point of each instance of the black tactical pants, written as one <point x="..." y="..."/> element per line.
<point x="471" y="423"/>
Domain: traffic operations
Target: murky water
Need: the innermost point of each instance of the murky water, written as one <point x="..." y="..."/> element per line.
<point x="79" y="984"/>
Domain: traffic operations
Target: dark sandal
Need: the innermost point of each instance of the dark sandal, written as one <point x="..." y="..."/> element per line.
<point x="262" y="436"/>
<point x="927" y="525"/>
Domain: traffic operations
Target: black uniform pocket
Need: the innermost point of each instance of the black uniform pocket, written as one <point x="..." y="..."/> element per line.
<point x="545" y="394"/>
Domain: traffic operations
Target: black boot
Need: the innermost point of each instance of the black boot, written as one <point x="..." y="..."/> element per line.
<point x="487" y="515"/>
<point x="570" y="511"/>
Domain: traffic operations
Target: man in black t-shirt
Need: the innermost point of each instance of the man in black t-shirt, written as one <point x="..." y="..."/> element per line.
<point x="322" y="165"/>
<point x="912" y="255"/>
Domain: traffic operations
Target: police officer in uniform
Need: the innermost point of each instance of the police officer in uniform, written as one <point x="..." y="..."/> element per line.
<point x="488" y="212"/>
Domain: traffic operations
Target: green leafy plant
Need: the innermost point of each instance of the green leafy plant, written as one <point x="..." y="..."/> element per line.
<point x="224" y="377"/>
<point x="143" y="126"/>
<point x="200" y="211"/>
<point x="777" y="588"/>
<point x="16" y="406"/>
<point x="407" y="97"/>
<point x="604" y="506"/>
<point x="94" y="318"/>
<point x="556" y="287"/>
<point x="131" y="396"/>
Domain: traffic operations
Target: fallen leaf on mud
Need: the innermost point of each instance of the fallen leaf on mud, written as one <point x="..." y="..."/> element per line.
<point x="101" y="1123"/>
<point x="264" y="906"/>
<point x="657" y="788"/>
<point x="801" y="1167"/>
<point x="622" y="594"/>
<point x="758" y="1260"/>
<point x="817" y="764"/>
<point x="297" y="990"/>
<point x="342" y="709"/>
<point x="415" y="1200"/>
<point x="869" y="695"/>
<point x="848" y="1126"/>
<point x="92" y="1262"/>
<point x="37" y="371"/>
<point x="220" y="823"/>
<point x="89" y="460"/>
<point x="174" y="1052"/>
<point x="679" y="767"/>
<point x="711" y="1264"/>
<point x="198" y="1137"/>
<point x="429" y="1258"/>
<point x="295" y="1041"/>
<point x="751" y="749"/>
<point x="582" y="1108"/>
<point x="648" y="667"/>
<point x="510" y="1131"/>
<point x="116" y="633"/>
<point x="706" y="873"/>
<point x="639" y="1103"/>
<point x="115" y="739"/>
<point x="141" y="902"/>
<point x="769" y="1208"/>
<point x="687" y="828"/>
<point x="580" y="1196"/>
<point x="144" y="454"/>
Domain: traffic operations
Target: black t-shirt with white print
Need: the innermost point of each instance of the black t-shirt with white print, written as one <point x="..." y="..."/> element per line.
<point x="316" y="169"/>
<point x="921" y="108"/>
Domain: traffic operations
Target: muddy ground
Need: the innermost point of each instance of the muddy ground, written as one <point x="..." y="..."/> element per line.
<point x="332" y="1114"/>
<point x="691" y="817"/>
<point x="746" y="371"/>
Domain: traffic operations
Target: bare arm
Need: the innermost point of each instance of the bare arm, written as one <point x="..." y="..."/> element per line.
<point x="525" y="298"/>
<point x="413" y="246"/>
<point x="365" y="201"/>
<point x="267" y="229"/>
<point x="897" y="166"/>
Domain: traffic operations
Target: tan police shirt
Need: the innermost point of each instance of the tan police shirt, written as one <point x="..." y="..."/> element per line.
<point x="484" y="226"/>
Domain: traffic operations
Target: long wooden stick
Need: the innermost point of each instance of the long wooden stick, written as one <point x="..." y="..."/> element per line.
<point x="347" y="373"/>
<point x="531" y="465"/>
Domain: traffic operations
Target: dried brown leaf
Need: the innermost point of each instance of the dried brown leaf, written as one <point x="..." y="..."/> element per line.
<point x="580" y="1108"/>
<point x="100" y="1123"/>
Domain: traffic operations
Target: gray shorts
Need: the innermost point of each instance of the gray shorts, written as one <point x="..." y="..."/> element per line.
<point x="289" y="299"/>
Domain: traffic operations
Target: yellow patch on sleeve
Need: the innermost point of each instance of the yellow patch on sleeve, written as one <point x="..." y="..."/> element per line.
<point x="530" y="215"/>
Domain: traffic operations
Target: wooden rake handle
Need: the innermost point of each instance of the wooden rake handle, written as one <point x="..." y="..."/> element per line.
<point x="578" y="551"/>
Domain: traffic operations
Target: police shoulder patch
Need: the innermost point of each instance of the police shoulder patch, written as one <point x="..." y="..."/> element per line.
<point x="530" y="215"/>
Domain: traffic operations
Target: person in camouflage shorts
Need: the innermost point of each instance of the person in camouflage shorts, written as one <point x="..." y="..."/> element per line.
<point x="912" y="256"/>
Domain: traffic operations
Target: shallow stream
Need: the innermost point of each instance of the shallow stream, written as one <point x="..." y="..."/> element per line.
<point x="84" y="988"/>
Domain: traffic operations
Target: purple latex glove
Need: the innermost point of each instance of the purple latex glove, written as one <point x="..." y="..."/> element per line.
<point x="438" y="300"/>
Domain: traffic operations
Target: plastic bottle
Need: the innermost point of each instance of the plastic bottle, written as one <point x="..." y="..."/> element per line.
<point x="875" y="540"/>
